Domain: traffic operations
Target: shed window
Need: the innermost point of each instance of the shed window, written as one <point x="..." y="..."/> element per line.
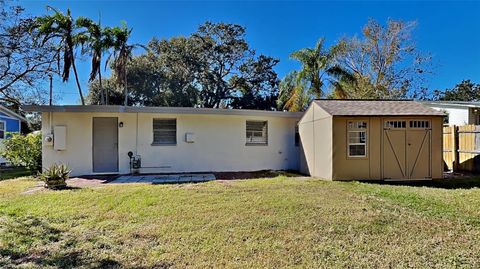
<point x="420" y="124"/>
<point x="164" y="131"/>
<point x="357" y="138"/>
<point x="257" y="133"/>
<point x="2" y="129"/>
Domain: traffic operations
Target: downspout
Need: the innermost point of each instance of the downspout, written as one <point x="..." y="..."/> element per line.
<point x="136" y="137"/>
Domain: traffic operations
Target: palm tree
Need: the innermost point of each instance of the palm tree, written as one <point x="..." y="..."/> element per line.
<point x="293" y="95"/>
<point x="315" y="61"/>
<point x="122" y="53"/>
<point x="61" y="27"/>
<point x="343" y="82"/>
<point x="96" y="42"/>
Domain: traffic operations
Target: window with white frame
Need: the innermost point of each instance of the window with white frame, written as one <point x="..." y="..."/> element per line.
<point x="3" y="126"/>
<point x="257" y="133"/>
<point x="357" y="138"/>
<point x="164" y="131"/>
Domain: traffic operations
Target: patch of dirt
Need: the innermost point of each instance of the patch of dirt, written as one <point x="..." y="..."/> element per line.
<point x="37" y="188"/>
<point x="253" y="174"/>
<point x="80" y="182"/>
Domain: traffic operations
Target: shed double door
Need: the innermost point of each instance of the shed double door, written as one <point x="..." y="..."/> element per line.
<point x="406" y="149"/>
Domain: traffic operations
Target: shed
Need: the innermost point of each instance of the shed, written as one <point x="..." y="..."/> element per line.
<point x="371" y="140"/>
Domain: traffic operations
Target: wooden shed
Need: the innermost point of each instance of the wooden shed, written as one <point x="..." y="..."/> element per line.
<point x="371" y="140"/>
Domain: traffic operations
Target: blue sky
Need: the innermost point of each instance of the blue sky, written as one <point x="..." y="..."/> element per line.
<point x="450" y="31"/>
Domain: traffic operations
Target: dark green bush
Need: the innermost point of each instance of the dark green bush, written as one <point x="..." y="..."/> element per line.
<point x="23" y="150"/>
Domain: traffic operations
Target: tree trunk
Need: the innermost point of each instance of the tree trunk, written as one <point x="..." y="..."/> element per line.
<point x="76" y="79"/>
<point x="102" y="95"/>
<point x="125" y="84"/>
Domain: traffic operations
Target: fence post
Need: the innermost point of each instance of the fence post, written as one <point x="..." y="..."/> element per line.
<point x="455" y="156"/>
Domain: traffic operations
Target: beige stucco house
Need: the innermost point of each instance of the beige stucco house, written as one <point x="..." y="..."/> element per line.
<point x="97" y="139"/>
<point x="358" y="139"/>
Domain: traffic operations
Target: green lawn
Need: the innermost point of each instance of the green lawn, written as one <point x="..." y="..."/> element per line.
<point x="278" y="222"/>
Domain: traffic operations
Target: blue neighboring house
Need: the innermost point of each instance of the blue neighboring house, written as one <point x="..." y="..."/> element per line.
<point x="10" y="122"/>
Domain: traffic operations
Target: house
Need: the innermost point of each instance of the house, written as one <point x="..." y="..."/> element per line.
<point x="10" y="122"/>
<point x="457" y="112"/>
<point x="372" y="140"/>
<point x="113" y="139"/>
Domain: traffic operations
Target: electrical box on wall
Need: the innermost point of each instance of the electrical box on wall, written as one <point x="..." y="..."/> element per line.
<point x="189" y="137"/>
<point x="60" y="138"/>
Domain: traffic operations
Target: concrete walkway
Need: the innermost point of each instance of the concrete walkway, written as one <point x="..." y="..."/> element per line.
<point x="160" y="179"/>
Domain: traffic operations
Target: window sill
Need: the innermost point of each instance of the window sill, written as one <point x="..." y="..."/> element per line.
<point x="158" y="144"/>
<point x="256" y="144"/>
<point x="357" y="157"/>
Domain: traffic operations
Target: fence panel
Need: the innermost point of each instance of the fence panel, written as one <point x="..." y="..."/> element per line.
<point x="449" y="147"/>
<point x="461" y="147"/>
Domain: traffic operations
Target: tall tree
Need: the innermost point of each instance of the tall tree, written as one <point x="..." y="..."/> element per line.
<point x="383" y="63"/>
<point x="23" y="63"/>
<point x="122" y="53"/>
<point x="95" y="41"/>
<point x="315" y="61"/>
<point x="60" y="29"/>
<point x="224" y="49"/>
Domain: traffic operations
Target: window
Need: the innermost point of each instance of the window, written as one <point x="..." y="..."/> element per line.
<point x="357" y="139"/>
<point x="2" y="129"/>
<point x="164" y="131"/>
<point x="257" y="133"/>
<point x="297" y="136"/>
<point x="421" y="124"/>
<point x="396" y="124"/>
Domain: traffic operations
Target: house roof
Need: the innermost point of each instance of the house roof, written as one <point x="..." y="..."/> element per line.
<point x="164" y="110"/>
<point x="453" y="104"/>
<point x="11" y="114"/>
<point x="376" y="108"/>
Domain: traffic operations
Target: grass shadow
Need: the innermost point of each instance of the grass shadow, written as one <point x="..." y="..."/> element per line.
<point x="29" y="240"/>
<point x="446" y="183"/>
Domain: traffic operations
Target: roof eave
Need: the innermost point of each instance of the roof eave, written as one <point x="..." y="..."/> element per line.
<point x="162" y="110"/>
<point x="12" y="114"/>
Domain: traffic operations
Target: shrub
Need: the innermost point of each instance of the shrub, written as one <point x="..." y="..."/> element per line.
<point x="23" y="150"/>
<point x="55" y="176"/>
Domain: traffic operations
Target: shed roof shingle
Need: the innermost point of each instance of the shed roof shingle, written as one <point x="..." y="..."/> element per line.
<point x="376" y="108"/>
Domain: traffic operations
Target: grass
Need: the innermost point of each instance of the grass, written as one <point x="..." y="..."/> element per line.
<point x="278" y="222"/>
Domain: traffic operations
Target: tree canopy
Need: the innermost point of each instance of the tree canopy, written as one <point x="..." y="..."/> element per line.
<point x="463" y="91"/>
<point x="383" y="63"/>
<point x="213" y="67"/>
<point x="23" y="63"/>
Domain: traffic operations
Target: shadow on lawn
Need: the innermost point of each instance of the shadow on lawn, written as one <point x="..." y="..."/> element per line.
<point x="27" y="241"/>
<point x="446" y="183"/>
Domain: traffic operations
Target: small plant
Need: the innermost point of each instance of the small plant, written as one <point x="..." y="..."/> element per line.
<point x="55" y="176"/>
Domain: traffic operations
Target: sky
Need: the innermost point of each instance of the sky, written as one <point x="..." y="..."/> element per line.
<point x="449" y="31"/>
